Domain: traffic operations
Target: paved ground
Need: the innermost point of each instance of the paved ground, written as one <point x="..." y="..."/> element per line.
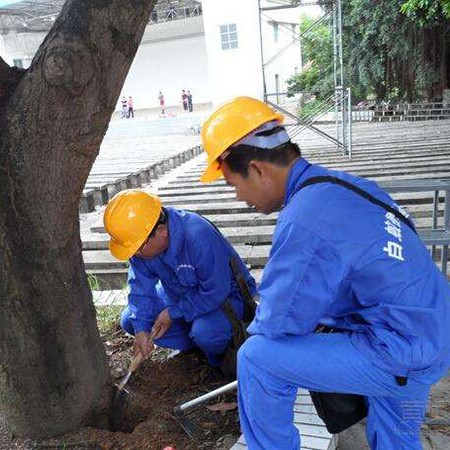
<point x="434" y="437"/>
<point x="151" y="123"/>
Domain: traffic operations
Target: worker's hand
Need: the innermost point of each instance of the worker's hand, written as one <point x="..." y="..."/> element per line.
<point x="143" y="344"/>
<point x="162" y="323"/>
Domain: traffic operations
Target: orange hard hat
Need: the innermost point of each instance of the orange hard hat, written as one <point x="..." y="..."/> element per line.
<point x="229" y="124"/>
<point x="129" y="218"/>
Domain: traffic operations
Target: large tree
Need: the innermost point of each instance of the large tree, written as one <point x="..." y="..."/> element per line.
<point x="397" y="56"/>
<point x="53" y="116"/>
<point x="393" y="49"/>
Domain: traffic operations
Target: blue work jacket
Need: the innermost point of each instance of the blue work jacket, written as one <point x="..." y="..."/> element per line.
<point x="340" y="260"/>
<point x="194" y="271"/>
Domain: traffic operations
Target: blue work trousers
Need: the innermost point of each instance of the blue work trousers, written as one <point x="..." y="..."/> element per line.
<point x="271" y="370"/>
<point x="210" y="332"/>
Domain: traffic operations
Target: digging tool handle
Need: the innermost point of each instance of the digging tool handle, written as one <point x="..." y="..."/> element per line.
<point x="136" y="362"/>
<point x="138" y="358"/>
<point x="209" y="395"/>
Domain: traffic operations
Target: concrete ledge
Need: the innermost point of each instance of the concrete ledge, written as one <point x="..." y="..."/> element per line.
<point x="99" y="192"/>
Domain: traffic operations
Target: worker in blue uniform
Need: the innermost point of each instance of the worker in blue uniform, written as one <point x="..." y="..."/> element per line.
<point x="179" y="276"/>
<point x="343" y="255"/>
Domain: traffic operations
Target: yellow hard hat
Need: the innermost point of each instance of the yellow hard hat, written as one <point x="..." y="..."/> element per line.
<point x="129" y="218"/>
<point x="229" y="124"/>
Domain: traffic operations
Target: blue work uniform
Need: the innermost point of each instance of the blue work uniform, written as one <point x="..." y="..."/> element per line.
<point x="338" y="259"/>
<point x="192" y="278"/>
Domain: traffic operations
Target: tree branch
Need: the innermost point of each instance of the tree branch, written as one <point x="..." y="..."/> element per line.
<point x="9" y="76"/>
<point x="4" y="67"/>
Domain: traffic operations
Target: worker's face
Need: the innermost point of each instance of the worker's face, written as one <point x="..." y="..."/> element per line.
<point x="156" y="243"/>
<point x="258" y="189"/>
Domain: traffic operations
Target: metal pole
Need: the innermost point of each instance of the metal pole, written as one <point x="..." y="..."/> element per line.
<point x="335" y="59"/>
<point x="341" y="59"/>
<point x="262" y="52"/>
<point x="344" y="121"/>
<point x="350" y="123"/>
<point x="340" y="77"/>
<point x="447" y="228"/>
<point x="207" y="396"/>
<point x="435" y="219"/>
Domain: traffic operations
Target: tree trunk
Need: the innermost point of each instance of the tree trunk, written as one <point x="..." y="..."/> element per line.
<point x="53" y="116"/>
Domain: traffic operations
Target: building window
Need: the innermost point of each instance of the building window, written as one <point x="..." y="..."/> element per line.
<point x="228" y="36"/>
<point x="275" y="31"/>
<point x="18" y="63"/>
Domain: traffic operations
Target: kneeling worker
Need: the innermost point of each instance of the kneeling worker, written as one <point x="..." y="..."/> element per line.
<point x="344" y="256"/>
<point x="182" y="272"/>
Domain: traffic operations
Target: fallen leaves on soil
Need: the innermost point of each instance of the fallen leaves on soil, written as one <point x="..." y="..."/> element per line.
<point x="148" y="423"/>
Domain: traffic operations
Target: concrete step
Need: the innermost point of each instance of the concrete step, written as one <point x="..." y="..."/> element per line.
<point x="254" y="255"/>
<point x="224" y="221"/>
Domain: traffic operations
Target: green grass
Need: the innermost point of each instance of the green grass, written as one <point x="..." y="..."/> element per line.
<point x="310" y="109"/>
<point x="93" y="281"/>
<point x="108" y="318"/>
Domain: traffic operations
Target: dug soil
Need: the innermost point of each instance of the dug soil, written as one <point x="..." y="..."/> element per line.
<point x="147" y="420"/>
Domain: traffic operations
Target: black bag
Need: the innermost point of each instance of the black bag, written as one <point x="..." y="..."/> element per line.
<point x="239" y="335"/>
<point x="229" y="361"/>
<point x="338" y="411"/>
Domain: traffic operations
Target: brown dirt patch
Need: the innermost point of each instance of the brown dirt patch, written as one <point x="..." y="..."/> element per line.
<point x="147" y="420"/>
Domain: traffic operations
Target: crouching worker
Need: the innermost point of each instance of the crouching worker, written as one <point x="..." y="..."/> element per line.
<point x="344" y="256"/>
<point x="185" y="279"/>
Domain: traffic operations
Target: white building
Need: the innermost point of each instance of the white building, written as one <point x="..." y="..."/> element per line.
<point x="213" y="48"/>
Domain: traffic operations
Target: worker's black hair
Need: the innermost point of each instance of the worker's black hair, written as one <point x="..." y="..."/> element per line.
<point x="163" y="218"/>
<point x="241" y="155"/>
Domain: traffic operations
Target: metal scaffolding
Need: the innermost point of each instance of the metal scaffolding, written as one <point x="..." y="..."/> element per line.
<point x="341" y="99"/>
<point x="34" y="16"/>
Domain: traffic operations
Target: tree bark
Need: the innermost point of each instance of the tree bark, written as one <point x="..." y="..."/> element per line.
<point x="53" y="117"/>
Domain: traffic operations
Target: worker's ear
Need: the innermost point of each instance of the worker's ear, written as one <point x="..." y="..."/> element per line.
<point x="259" y="169"/>
<point x="163" y="229"/>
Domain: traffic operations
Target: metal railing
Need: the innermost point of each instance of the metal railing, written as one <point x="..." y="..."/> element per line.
<point x="171" y="13"/>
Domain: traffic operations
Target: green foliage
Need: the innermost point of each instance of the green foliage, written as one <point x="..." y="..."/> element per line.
<point x="395" y="50"/>
<point x="317" y="54"/>
<point x="108" y="317"/>
<point x="393" y="56"/>
<point x="426" y="11"/>
<point x="93" y="281"/>
<point x="310" y="109"/>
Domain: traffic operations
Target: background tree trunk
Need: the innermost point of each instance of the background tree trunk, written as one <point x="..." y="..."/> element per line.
<point x="53" y="116"/>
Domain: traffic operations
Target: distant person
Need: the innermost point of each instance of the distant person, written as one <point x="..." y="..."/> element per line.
<point x="124" y="112"/>
<point x="161" y="102"/>
<point x="184" y="99"/>
<point x="130" y="107"/>
<point x="189" y="101"/>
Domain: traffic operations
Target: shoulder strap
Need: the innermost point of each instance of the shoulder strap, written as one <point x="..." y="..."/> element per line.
<point x="249" y="302"/>
<point x="362" y="193"/>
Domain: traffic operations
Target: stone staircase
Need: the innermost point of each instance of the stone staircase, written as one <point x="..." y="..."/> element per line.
<point x="411" y="112"/>
<point x="381" y="152"/>
<point x="388" y="153"/>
